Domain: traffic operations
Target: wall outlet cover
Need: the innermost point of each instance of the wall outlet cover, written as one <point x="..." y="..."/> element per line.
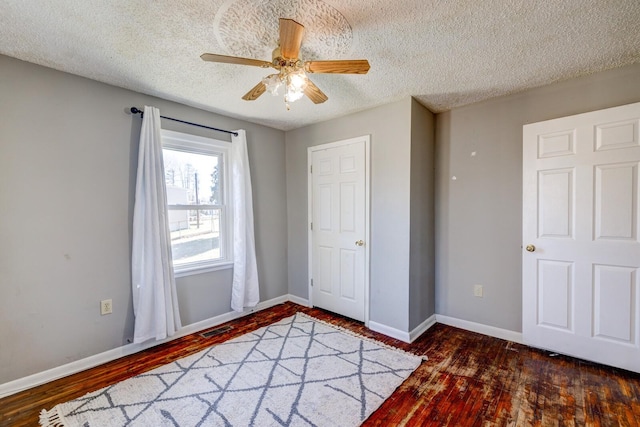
<point x="478" y="291"/>
<point x="106" y="307"/>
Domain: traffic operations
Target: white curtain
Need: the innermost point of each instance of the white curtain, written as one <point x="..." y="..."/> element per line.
<point x="244" y="291"/>
<point x="155" y="302"/>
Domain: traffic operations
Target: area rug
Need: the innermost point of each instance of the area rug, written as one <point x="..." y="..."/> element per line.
<point x="299" y="371"/>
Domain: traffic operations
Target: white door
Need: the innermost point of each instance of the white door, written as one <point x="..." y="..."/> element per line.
<point x="338" y="227"/>
<point x="581" y="247"/>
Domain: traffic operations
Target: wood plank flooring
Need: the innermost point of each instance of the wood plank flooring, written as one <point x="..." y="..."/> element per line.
<point x="469" y="380"/>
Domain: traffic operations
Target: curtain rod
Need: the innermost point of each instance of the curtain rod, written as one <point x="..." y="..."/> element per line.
<point x="135" y="110"/>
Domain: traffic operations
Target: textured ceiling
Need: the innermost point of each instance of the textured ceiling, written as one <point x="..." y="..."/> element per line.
<point x="443" y="53"/>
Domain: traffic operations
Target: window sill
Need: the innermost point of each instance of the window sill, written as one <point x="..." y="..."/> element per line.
<point x="201" y="269"/>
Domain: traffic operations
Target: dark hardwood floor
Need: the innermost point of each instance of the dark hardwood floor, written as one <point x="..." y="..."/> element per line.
<point x="469" y="380"/>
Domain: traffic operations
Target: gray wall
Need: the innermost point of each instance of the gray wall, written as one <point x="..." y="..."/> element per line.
<point x="391" y="150"/>
<point x="67" y="175"/>
<point x="479" y="215"/>
<point x="422" y="302"/>
<point x="67" y="171"/>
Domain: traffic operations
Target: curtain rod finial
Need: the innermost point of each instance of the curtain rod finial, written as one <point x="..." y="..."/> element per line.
<point x="135" y="110"/>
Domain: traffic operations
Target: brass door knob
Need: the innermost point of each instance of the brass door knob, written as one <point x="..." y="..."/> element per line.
<point x="530" y="248"/>
<point x="360" y="243"/>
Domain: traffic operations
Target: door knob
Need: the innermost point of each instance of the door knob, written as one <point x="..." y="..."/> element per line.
<point x="360" y="243"/>
<point x="530" y="248"/>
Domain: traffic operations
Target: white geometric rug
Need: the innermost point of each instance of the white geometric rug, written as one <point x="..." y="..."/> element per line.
<point x="296" y="372"/>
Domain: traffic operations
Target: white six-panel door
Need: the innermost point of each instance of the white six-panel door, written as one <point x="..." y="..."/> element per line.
<point x="581" y="241"/>
<point x="338" y="236"/>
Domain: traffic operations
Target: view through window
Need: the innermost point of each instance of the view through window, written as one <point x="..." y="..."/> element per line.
<point x="195" y="181"/>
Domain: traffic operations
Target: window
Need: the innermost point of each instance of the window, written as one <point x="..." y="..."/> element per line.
<point x="198" y="201"/>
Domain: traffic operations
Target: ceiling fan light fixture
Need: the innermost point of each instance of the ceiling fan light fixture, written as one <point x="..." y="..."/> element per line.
<point x="296" y="82"/>
<point x="297" y="79"/>
<point x="292" y="94"/>
<point x="272" y="82"/>
<point x="293" y="79"/>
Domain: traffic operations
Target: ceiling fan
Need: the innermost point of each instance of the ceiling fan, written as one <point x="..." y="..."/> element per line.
<point x="292" y="71"/>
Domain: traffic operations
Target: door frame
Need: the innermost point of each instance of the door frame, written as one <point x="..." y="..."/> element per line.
<point x="367" y="214"/>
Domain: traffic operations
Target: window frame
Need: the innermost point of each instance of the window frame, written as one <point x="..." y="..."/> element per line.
<point x="188" y="143"/>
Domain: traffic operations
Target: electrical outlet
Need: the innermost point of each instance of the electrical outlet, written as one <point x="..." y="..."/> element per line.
<point x="477" y="291"/>
<point x="106" y="307"/>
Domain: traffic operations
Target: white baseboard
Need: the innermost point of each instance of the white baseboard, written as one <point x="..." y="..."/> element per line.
<point x="389" y="331"/>
<point x="49" y="375"/>
<point x="301" y="301"/>
<point x="407" y="337"/>
<point x="422" y="328"/>
<point x="491" y="331"/>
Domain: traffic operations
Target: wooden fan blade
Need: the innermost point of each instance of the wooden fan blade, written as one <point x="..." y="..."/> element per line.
<point x="290" y="38"/>
<point x="348" y="66"/>
<point x="314" y="93"/>
<point x="254" y="93"/>
<point x="212" y="57"/>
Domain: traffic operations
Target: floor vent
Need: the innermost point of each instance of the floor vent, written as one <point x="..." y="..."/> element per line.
<point x="217" y="331"/>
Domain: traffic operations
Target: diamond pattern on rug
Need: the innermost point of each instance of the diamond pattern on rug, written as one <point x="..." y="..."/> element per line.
<point x="296" y="372"/>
